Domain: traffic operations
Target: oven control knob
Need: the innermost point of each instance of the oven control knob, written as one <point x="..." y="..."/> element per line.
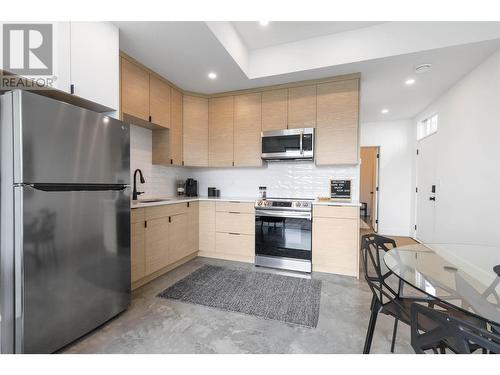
<point x="260" y="203"/>
<point x="306" y="204"/>
<point x="298" y="204"/>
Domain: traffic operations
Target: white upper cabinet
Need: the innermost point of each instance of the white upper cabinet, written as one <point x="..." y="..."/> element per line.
<point x="95" y="63"/>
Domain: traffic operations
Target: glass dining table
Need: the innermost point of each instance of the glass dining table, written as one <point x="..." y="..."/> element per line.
<point x="465" y="277"/>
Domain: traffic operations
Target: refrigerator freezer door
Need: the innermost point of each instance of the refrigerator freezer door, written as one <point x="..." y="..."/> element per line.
<point x="75" y="264"/>
<point x="57" y="142"/>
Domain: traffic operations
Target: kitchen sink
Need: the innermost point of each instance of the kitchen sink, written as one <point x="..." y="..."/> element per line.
<point x="153" y="200"/>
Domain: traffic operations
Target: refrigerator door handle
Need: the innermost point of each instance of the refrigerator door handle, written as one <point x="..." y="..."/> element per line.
<point x="79" y="187"/>
<point x="19" y="270"/>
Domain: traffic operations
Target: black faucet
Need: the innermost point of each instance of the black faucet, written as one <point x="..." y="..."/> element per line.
<point x="136" y="193"/>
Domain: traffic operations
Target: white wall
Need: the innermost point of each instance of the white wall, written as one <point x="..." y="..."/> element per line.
<point x="284" y="179"/>
<point x="468" y="157"/>
<point x="397" y="146"/>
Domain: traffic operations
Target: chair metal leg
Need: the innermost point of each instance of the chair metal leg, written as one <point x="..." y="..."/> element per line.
<point x="394" y="332"/>
<point x="371" y="326"/>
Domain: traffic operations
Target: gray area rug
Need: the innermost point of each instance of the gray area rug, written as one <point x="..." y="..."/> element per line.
<point x="288" y="299"/>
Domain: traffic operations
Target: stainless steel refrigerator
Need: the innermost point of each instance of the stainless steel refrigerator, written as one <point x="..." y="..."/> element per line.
<point x="65" y="222"/>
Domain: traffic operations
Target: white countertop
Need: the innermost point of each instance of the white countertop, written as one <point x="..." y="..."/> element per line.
<point x="174" y="200"/>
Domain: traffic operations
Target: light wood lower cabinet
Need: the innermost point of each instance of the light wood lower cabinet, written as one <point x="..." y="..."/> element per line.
<point x="157" y="241"/>
<point x="162" y="237"/>
<point x="227" y="230"/>
<point x="335" y="247"/>
<point x="207" y="227"/>
<point x="137" y="245"/>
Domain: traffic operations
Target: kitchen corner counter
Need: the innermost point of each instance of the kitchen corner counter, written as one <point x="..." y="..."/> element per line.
<point x="161" y="201"/>
<point x="337" y="203"/>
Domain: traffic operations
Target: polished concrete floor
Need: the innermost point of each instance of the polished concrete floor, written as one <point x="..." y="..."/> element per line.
<point x="157" y="325"/>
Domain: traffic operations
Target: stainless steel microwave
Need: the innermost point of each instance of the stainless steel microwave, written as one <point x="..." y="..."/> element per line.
<point x="288" y="144"/>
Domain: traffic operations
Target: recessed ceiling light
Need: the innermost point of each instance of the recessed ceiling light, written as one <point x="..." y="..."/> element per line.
<point x="410" y="81"/>
<point x="384" y="111"/>
<point x="212" y="75"/>
<point x="264" y="23"/>
<point x="422" y="68"/>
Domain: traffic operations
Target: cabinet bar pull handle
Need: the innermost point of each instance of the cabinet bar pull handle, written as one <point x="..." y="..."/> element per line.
<point x="188" y="204"/>
<point x="234" y="234"/>
<point x="150" y="119"/>
<point x="170" y="219"/>
<point x="72" y="88"/>
<point x="145" y="223"/>
<point x="234" y="212"/>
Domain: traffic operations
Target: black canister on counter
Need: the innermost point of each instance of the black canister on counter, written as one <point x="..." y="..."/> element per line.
<point x="211" y="192"/>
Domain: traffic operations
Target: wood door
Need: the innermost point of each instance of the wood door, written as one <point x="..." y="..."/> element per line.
<point x="247" y="129"/>
<point x="178" y="246"/>
<point x="176" y="128"/>
<point x="275" y="110"/>
<point x="193" y="227"/>
<point x="159" y="102"/>
<point x="220" y="131"/>
<point x="302" y="107"/>
<point x="134" y="90"/>
<point x="337" y="128"/>
<point x="157" y="244"/>
<point x="195" y="131"/>
<point x="206" y="226"/>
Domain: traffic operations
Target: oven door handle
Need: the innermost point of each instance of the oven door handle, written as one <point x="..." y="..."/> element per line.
<point x="284" y="214"/>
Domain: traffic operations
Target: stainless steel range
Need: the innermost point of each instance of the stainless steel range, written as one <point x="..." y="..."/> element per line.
<point x="283" y="237"/>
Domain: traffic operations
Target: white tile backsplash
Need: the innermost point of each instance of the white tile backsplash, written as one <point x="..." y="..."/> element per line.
<point x="283" y="179"/>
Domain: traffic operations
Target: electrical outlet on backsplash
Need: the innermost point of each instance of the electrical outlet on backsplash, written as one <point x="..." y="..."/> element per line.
<point x="283" y="179"/>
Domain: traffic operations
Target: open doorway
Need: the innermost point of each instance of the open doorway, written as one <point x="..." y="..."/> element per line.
<point x="369" y="187"/>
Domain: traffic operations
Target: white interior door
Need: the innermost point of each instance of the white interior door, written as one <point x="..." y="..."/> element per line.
<point x="426" y="189"/>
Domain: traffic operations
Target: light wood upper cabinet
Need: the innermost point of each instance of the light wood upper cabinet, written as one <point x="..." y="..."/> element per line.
<point x="302" y="107"/>
<point x="274" y="109"/>
<point x="220" y="131"/>
<point x="247" y="129"/>
<point x="134" y="90"/>
<point x="176" y="128"/>
<point x="337" y="127"/>
<point x="159" y="101"/>
<point x="195" y="131"/>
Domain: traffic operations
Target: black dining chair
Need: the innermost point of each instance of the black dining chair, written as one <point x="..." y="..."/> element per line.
<point x="386" y="297"/>
<point x="432" y="329"/>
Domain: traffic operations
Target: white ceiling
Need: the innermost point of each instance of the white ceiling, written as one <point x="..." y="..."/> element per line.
<point x="184" y="52"/>
<point x="257" y="36"/>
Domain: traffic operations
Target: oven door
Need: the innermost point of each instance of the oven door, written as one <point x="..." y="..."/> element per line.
<point x="283" y="234"/>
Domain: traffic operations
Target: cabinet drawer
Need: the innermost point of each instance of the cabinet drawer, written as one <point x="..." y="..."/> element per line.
<point x="234" y="244"/>
<point x="136" y="215"/>
<point x="235" y="206"/>
<point x="165" y="210"/>
<point x="342" y="212"/>
<point x="231" y="222"/>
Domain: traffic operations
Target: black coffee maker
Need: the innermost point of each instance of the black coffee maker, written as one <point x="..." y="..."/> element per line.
<point x="191" y="188"/>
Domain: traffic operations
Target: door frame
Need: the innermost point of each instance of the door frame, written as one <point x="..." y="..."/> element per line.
<point x="376" y="193"/>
